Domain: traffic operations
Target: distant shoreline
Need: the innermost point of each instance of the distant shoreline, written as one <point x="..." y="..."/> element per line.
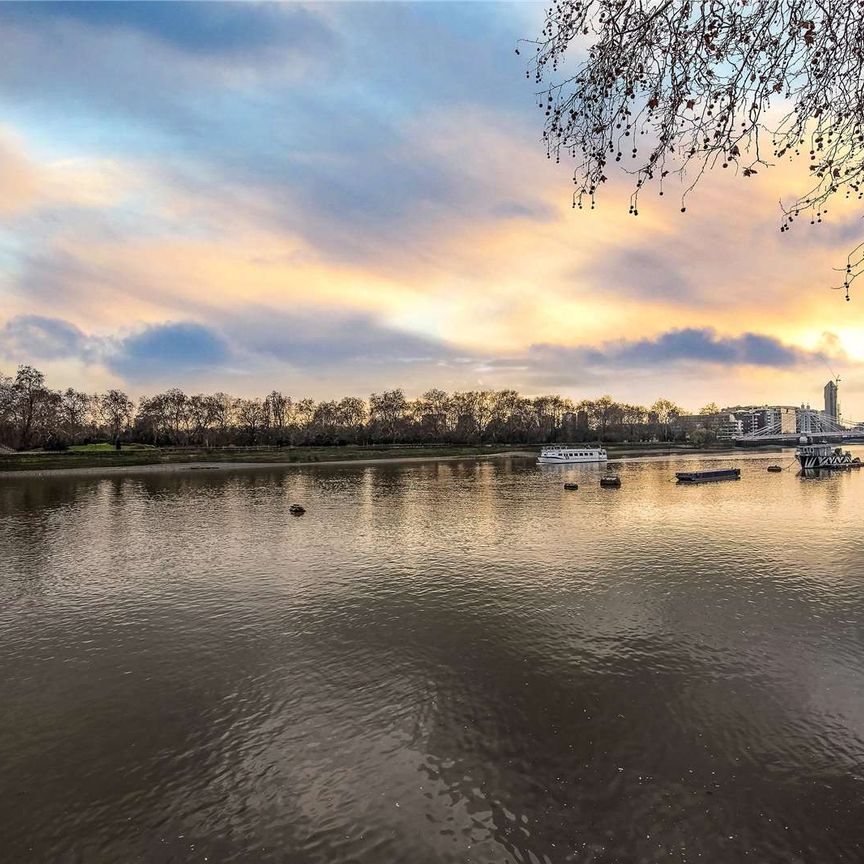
<point x="147" y="462"/>
<point x="174" y="467"/>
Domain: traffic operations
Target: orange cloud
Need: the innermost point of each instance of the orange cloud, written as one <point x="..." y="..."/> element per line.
<point x="29" y="182"/>
<point x="19" y="178"/>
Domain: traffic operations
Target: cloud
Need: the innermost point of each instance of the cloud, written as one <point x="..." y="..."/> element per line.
<point x="705" y="346"/>
<point x="226" y="30"/>
<point x="150" y="350"/>
<point x="689" y="345"/>
<point x="321" y="337"/>
<point x="326" y="352"/>
<point x="36" y="192"/>
<point x="157" y="349"/>
<point x="690" y="365"/>
<point x="642" y="272"/>
<point x="19" y="179"/>
<point x="315" y="338"/>
<point x="368" y="149"/>
<point x="39" y="338"/>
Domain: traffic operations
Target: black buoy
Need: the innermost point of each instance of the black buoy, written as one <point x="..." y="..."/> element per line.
<point x="296" y="510"/>
<point x="571" y="486"/>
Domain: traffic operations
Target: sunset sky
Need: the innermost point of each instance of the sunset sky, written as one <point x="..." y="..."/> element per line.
<point x="334" y="199"/>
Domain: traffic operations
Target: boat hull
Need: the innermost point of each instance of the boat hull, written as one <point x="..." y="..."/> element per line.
<point x="708" y="476"/>
<point x="553" y="460"/>
<point x="829" y="463"/>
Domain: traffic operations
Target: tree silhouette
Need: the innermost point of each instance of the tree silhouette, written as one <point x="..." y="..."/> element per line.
<point x="34" y="415"/>
<point x="30" y="392"/>
<point x="116" y="409"/>
<point x="681" y="86"/>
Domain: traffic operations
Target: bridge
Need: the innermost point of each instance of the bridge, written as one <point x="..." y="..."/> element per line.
<point x="808" y="421"/>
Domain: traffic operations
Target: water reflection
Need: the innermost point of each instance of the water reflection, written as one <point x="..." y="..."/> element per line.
<point x="438" y="662"/>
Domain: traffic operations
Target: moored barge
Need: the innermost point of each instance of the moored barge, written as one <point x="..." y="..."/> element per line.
<point x="708" y="476"/>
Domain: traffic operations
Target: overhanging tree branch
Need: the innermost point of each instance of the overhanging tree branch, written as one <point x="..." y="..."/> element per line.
<point x="678" y="87"/>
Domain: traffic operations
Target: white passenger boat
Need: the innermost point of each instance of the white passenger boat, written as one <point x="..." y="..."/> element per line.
<point x="568" y="454"/>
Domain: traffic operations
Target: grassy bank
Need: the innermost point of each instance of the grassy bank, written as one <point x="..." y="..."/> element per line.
<point x="105" y="456"/>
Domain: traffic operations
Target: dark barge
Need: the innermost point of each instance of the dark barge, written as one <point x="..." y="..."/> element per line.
<point x="708" y="476"/>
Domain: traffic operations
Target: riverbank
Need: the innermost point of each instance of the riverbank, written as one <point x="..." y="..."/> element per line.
<point x="138" y="459"/>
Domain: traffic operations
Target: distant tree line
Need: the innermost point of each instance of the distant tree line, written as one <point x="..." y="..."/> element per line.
<point x="32" y="415"/>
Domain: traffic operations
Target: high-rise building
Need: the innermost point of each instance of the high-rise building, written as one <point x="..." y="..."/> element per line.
<point x="832" y="406"/>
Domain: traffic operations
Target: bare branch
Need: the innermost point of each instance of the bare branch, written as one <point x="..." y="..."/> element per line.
<point x="682" y="86"/>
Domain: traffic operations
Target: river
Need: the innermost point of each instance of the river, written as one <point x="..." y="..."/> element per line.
<point x="439" y="662"/>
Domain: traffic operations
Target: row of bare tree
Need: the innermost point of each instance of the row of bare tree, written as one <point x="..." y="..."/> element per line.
<point x="33" y="415"/>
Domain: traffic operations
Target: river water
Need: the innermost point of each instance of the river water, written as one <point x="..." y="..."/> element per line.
<point x="439" y="662"/>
